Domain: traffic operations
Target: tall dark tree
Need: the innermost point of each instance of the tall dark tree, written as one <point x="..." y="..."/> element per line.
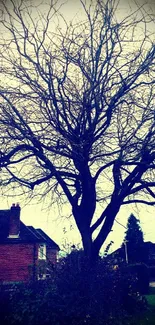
<point x="77" y="115"/>
<point x="134" y="241"/>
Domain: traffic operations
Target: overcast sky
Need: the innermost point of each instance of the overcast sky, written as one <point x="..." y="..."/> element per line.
<point x="56" y="223"/>
<point x="63" y="229"/>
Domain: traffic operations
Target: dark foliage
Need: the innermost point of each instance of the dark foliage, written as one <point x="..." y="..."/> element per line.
<point x="141" y="273"/>
<point x="77" y="294"/>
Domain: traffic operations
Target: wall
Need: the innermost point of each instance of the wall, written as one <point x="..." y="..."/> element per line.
<point x="17" y="261"/>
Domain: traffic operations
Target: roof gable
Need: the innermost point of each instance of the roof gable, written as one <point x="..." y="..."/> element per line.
<point x="49" y="241"/>
<point x="27" y="234"/>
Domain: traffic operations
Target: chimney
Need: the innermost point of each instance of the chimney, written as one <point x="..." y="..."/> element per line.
<point x="14" y="224"/>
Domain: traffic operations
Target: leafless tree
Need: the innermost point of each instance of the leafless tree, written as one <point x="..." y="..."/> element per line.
<point x="77" y="110"/>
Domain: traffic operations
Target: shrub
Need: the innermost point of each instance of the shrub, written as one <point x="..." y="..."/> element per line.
<point x="5" y="309"/>
<point x="76" y="294"/>
<point x="141" y="272"/>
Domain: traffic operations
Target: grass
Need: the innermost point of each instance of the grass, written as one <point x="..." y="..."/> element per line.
<point x="152" y="291"/>
<point x="151" y="300"/>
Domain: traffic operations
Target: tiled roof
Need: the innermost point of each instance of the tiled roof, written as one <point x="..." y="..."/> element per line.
<point x="39" y="233"/>
<point x="28" y="234"/>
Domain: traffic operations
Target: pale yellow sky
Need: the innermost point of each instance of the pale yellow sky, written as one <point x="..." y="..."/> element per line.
<point x="54" y="223"/>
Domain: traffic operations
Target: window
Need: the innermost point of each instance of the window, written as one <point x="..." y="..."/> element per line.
<point x="42" y="252"/>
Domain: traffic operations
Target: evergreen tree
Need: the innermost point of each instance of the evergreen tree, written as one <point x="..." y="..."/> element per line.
<point x="134" y="241"/>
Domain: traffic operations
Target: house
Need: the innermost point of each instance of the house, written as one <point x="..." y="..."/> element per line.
<point x="121" y="255"/>
<point x="26" y="253"/>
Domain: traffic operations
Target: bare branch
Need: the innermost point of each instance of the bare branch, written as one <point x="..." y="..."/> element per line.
<point x="77" y="107"/>
<point x="139" y="201"/>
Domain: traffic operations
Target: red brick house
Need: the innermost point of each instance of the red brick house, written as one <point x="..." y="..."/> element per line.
<point x="26" y="253"/>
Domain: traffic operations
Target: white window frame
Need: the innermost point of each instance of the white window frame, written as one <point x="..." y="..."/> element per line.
<point x="42" y="252"/>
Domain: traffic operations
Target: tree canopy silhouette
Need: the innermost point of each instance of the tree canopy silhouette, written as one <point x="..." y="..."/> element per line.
<point x="77" y="112"/>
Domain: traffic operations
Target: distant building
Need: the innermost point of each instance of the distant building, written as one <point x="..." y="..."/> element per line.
<point x="121" y="255"/>
<point x="26" y="253"/>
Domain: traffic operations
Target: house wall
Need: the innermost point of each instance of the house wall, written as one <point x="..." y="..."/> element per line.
<point x="17" y="262"/>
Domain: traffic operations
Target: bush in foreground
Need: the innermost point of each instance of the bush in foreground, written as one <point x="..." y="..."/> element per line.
<point x="76" y="294"/>
<point x="140" y="271"/>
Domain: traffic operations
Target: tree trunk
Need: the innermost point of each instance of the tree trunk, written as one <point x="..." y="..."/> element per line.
<point x="87" y="242"/>
<point x="90" y="254"/>
<point x="112" y="211"/>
